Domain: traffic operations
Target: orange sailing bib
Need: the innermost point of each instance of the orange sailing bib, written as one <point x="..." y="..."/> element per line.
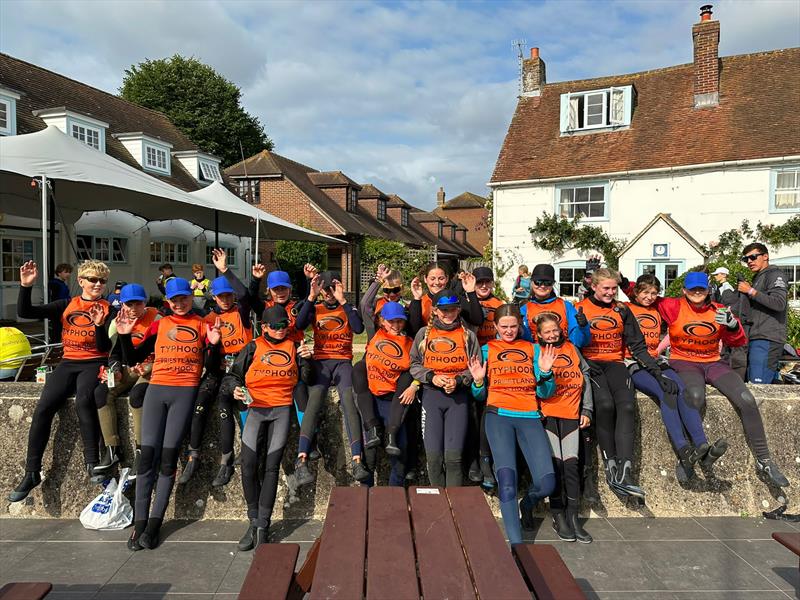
<point x="556" y="307"/>
<point x="487" y="331"/>
<point x="77" y="334"/>
<point x="388" y="357"/>
<point x="179" y="351"/>
<point x="446" y="352"/>
<point x="566" y="401"/>
<point x="291" y="310"/>
<point x="650" y="323"/>
<point x="606" y="344"/>
<point x="510" y="374"/>
<point x="273" y="373"/>
<point x="694" y="336"/>
<point x="235" y="335"/>
<point x="333" y="337"/>
<point x="142" y="325"/>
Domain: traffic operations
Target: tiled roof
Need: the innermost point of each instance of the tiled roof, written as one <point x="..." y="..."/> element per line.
<point x="42" y="89"/>
<point x="465" y="200"/>
<point x="757" y="117"/>
<point x="667" y="218"/>
<point x="395" y="201"/>
<point x="370" y="192"/>
<point x="332" y="179"/>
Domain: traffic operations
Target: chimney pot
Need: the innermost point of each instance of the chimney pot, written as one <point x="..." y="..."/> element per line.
<point x="705" y="12"/>
<point x="533" y="74"/>
<point x="534" y="53"/>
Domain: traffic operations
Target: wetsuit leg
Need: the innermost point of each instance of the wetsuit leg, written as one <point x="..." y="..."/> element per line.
<point x="690" y="417"/>
<point x="250" y="483"/>
<point x="323" y="374"/>
<point x="206" y="394"/>
<point x="363" y="397"/>
<point x="277" y="434"/>
<point x="136" y="399"/>
<point x="154" y="414"/>
<point x="570" y="441"/>
<point x="604" y="411"/>
<point x="106" y="400"/>
<point x="619" y="383"/>
<point x="300" y="400"/>
<point x="694" y="381"/>
<point x="343" y="380"/>
<point x="383" y="405"/>
<point x="667" y="404"/>
<point x="398" y="411"/>
<point x="503" y="441"/>
<point x="456" y="418"/>
<point x="434" y="403"/>
<point x="553" y="429"/>
<point x="87" y="411"/>
<point x="228" y="413"/>
<point x="532" y="440"/>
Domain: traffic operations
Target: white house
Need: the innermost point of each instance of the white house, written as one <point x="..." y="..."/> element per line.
<point x="667" y="159"/>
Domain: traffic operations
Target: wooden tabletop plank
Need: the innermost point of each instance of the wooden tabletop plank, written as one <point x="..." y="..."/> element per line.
<point x="391" y="563"/>
<point x="342" y="550"/>
<point x="549" y="576"/>
<point x="443" y="572"/>
<point x="494" y="569"/>
<point x="790" y="540"/>
<point x="271" y="572"/>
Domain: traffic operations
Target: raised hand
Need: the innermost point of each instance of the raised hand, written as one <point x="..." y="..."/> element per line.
<point x="416" y="288"/>
<point x="314" y="287"/>
<point x="28" y="272"/>
<point x="338" y="291"/>
<point x="124" y="321"/>
<point x="97" y="313"/>
<point x="310" y="270"/>
<point x="468" y="281"/>
<point x="259" y="271"/>
<point x="477" y="369"/>
<point x="220" y="259"/>
<point x="381" y="273"/>
<point x="580" y="318"/>
<point x="213" y="334"/>
<point x="547" y="356"/>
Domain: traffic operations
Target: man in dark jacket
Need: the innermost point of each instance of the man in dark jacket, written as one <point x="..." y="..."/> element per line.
<point x="767" y="298"/>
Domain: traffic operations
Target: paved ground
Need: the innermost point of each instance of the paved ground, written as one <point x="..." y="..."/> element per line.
<point x="709" y="559"/>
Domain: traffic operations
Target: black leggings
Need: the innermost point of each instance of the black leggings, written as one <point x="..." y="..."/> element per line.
<point x="565" y="440"/>
<point x="444" y="427"/>
<point x="220" y="387"/>
<point x="476" y="445"/>
<point x="165" y="418"/>
<point x="260" y="493"/>
<point x="77" y="377"/>
<point x="365" y="399"/>
<point x="614" y="408"/>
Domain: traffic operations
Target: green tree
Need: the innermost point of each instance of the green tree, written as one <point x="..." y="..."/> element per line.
<point x="291" y="256"/>
<point x="200" y="102"/>
<point x="395" y="255"/>
<point x="557" y="234"/>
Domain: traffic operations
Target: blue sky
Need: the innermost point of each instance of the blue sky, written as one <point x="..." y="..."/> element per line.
<point x="406" y="95"/>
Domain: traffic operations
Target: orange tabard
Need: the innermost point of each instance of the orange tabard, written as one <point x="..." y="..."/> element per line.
<point x="387" y="356"/>
<point x="487" y="331"/>
<point x="565" y="403"/>
<point x="142" y="325"/>
<point x="235" y="335"/>
<point x="427" y="307"/>
<point x="272" y="374"/>
<point x="179" y="351"/>
<point x="606" y="344"/>
<point x="650" y="324"/>
<point x="446" y="352"/>
<point x="333" y="337"/>
<point x="557" y="307"/>
<point x="294" y="334"/>
<point x="510" y="375"/>
<point x="694" y="335"/>
<point x="77" y="334"/>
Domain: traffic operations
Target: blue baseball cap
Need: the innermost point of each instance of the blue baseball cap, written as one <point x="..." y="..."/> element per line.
<point x="132" y="291"/>
<point x="221" y="285"/>
<point x="446" y="298"/>
<point x="278" y="279"/>
<point x="178" y="286"/>
<point x="695" y="279"/>
<point x="393" y="310"/>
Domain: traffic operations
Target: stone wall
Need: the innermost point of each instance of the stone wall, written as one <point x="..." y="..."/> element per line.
<point x="732" y="489"/>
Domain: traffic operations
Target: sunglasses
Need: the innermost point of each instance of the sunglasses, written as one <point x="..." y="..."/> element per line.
<point x="279" y="325"/>
<point x="751" y="257"/>
<point x="95" y="279"/>
<point x="393" y="290"/>
<point x="542" y="282"/>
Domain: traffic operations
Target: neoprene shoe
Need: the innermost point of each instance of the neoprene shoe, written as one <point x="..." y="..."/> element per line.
<point x="248" y="540"/>
<point x="302" y="475"/>
<point x="149" y="538"/>
<point x="526" y="516"/>
<point x="109" y="459"/>
<point x="189" y="469"/>
<point x="769" y="469"/>
<point x="392" y="449"/>
<point x="709" y="453"/>
<point x="262" y="536"/>
<point x="590" y="493"/>
<point x="489" y="482"/>
<point x="624" y="481"/>
<point x="684" y="471"/>
<point x="133" y="542"/>
<point x="223" y="476"/>
<point x="475" y="475"/>
<point x="581" y="534"/>
<point x="562" y="527"/>
<point x="94" y="477"/>
<point x="372" y="438"/>
<point x="29" y="481"/>
<point x="360" y="472"/>
<point x="137" y="458"/>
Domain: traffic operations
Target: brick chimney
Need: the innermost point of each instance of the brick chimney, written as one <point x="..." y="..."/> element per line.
<point x="440" y="197"/>
<point x="533" y="74"/>
<point x="705" y="36"/>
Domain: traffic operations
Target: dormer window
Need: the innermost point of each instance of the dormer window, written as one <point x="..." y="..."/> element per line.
<point x="352" y="200"/>
<point x="153" y="154"/>
<point x="209" y="171"/>
<point x="404" y="217"/>
<point x="8" y="111"/>
<point x="88" y="135"/>
<point x="453" y="234"/>
<point x="83" y="128"/>
<point x="381" y="209"/>
<point x="155" y="158"/>
<point x="203" y="167"/>
<point x="440" y="228"/>
<point x="597" y="109"/>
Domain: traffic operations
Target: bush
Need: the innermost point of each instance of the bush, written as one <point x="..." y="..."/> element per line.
<point x="291" y="256"/>
<point x="736" y="268"/>
<point x="395" y="255"/>
<point x="793" y="328"/>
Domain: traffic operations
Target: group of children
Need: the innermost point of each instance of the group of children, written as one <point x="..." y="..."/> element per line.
<point x="476" y="377"/>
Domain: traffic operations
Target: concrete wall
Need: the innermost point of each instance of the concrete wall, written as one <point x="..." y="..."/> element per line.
<point x="733" y="488"/>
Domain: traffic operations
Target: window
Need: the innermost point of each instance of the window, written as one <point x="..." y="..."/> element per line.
<point x="249" y="190"/>
<point x="569" y="280"/>
<point x="209" y="171"/>
<point x="352" y="201"/>
<point x="588" y="201"/>
<point x="107" y="249"/>
<point x="87" y="135"/>
<point x="231" y="252"/>
<point x="156" y="158"/>
<point x="8" y="112"/>
<point x="14" y="253"/>
<point x="597" y="109"/>
<point x="404" y="217"/>
<point x="791" y="275"/>
<point x="453" y="234"/>
<point x="381" y="209"/>
<point x="785" y="190"/>
<point x="4" y="116"/>
<point x="440" y="228"/>
<point x="169" y="252"/>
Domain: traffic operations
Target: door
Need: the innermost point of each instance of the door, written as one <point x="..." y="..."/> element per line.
<point x="666" y="271"/>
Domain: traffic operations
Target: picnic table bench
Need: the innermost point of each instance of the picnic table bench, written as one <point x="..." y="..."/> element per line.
<point x="388" y="543"/>
<point x="790" y="540"/>
<point x="25" y="591"/>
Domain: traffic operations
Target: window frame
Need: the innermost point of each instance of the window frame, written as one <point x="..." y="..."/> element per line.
<point x="588" y="184"/>
<point x="404" y="217"/>
<point x="156" y="150"/>
<point x="573" y="265"/>
<point x="380" y="210"/>
<point x="251" y="188"/>
<point x="95" y="254"/>
<point x="14" y="268"/>
<point x="232" y="258"/>
<point x="793" y="285"/>
<point x="773" y="189"/>
<point x="7" y="129"/>
<point x="9" y="99"/>
<point x="570" y="102"/>
<point x="176" y="252"/>
<point x="213" y="169"/>
<point x="351" y="202"/>
<point x="87" y="129"/>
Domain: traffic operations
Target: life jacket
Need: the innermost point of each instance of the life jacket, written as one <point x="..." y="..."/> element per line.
<point x="206" y="283"/>
<point x="694" y="336"/>
<point x="179" y="351"/>
<point x="333" y="337"/>
<point x="142" y="325"/>
<point x="566" y="401"/>
<point x="650" y="323"/>
<point x="235" y="334"/>
<point x="487" y="331"/>
<point x="427" y="307"/>
<point x="388" y="357"/>
<point x="273" y="373"/>
<point x="510" y="375"/>
<point x="295" y="334"/>
<point x="606" y="343"/>
<point x="77" y="333"/>
<point x="556" y="307"/>
<point x="446" y="351"/>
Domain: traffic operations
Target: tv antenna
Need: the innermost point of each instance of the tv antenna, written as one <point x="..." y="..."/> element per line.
<point x="519" y="45"/>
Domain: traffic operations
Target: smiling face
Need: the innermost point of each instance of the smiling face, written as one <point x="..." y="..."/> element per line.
<point x="549" y="331"/>
<point x="280" y="293"/>
<point x="448" y="315"/>
<point x="135" y="308"/>
<point x="696" y="296"/>
<point x="647" y="296"/>
<point x="277" y="334"/>
<point x="507" y="328"/>
<point x="483" y="288"/>
<point x="180" y="305"/>
<point x="199" y="275"/>
<point x="92" y="285"/>
<point x="542" y="289"/>
<point x="605" y="290"/>
<point x="392" y="290"/>
<point x="225" y="301"/>
<point x="393" y="326"/>
<point x="436" y="280"/>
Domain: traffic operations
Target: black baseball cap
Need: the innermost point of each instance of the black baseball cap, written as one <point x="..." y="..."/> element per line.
<point x="543" y="273"/>
<point x="275" y="314"/>
<point x="327" y="278"/>
<point x="120" y="284"/>
<point x="483" y="274"/>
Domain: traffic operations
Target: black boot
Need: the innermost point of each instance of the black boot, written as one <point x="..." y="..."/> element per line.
<point x="526" y="515"/>
<point x="262" y="536"/>
<point x="624" y="481"/>
<point x="29" y="481"/>
<point x="137" y="457"/>
<point x="314" y="453"/>
<point x="392" y="449"/>
<point x="684" y="471"/>
<point x="360" y="472"/>
<point x="562" y="527"/>
<point x="149" y="538"/>
<point x="223" y="476"/>
<point x="611" y="473"/>
<point x="190" y="468"/>
<point x="95" y="478"/>
<point x="372" y="438"/>
<point x="767" y="468"/>
<point x="580" y="533"/>
<point x="590" y="493"/>
<point x="110" y="459"/>
<point x="302" y="475"/>
<point x="248" y="540"/>
<point x="708" y="454"/>
<point x="489" y="482"/>
<point x="133" y="540"/>
<point x="475" y="475"/>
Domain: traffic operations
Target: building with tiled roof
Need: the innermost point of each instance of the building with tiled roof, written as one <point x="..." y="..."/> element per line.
<point x="469" y="210"/>
<point x="711" y="143"/>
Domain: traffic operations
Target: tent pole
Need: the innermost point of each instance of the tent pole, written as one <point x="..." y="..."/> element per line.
<point x="255" y="255"/>
<point x="216" y="232"/>
<point x="45" y="273"/>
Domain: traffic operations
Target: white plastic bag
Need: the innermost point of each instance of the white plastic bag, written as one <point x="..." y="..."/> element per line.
<point x="111" y="509"/>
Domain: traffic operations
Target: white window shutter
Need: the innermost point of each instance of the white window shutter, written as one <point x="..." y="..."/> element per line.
<point x="627" y="95"/>
<point x="564" y="125"/>
<point x="573" y="113"/>
<point x="617" y="112"/>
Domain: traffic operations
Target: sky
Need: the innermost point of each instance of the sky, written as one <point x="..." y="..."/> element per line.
<point x="408" y="96"/>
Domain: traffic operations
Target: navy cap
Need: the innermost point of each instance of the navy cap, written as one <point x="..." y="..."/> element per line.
<point x="695" y="279"/>
<point x="483" y="274"/>
<point x="278" y="279"/>
<point x="543" y="273"/>
<point x="132" y="291"/>
<point x="327" y="278"/>
<point x="275" y="314"/>
<point x="393" y="310"/>
<point x="446" y="298"/>
<point x="221" y="285"/>
<point x="178" y="286"/>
